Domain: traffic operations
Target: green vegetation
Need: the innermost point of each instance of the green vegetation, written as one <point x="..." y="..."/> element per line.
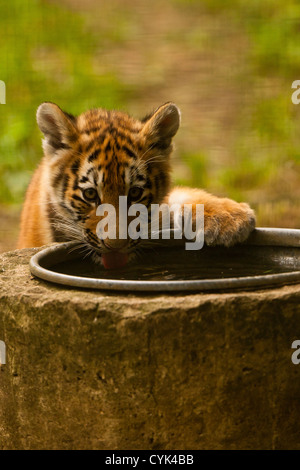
<point x="46" y="55"/>
<point x="229" y="65"/>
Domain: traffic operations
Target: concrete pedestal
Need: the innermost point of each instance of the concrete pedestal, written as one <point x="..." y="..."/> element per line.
<point x="96" y="370"/>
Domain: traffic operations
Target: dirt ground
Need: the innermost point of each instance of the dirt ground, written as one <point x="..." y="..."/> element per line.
<point x="9" y="227"/>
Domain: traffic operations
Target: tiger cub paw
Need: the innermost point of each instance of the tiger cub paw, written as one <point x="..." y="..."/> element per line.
<point x="228" y="223"/>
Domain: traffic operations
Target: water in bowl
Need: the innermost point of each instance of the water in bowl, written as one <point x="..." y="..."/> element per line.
<point x="178" y="264"/>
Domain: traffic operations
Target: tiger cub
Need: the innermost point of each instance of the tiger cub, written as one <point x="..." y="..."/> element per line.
<point x="94" y="158"/>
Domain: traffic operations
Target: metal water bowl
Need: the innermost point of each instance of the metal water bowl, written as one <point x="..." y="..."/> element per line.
<point x="270" y="257"/>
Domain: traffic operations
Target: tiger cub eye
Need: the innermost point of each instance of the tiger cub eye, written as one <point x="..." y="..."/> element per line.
<point x="90" y="194"/>
<point x="135" y="193"/>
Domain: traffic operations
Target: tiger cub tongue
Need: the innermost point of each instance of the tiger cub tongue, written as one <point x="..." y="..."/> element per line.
<point x="114" y="260"/>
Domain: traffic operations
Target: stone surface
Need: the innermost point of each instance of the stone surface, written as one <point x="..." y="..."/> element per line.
<point x="96" y="370"/>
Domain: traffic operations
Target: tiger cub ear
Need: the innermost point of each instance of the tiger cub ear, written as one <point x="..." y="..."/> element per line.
<point x="58" y="127"/>
<point x="162" y="125"/>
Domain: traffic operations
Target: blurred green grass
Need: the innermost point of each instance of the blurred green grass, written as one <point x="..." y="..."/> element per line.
<point x="229" y="66"/>
<point x="45" y="55"/>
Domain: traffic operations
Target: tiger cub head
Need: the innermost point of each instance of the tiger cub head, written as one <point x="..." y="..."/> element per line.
<point x="98" y="156"/>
